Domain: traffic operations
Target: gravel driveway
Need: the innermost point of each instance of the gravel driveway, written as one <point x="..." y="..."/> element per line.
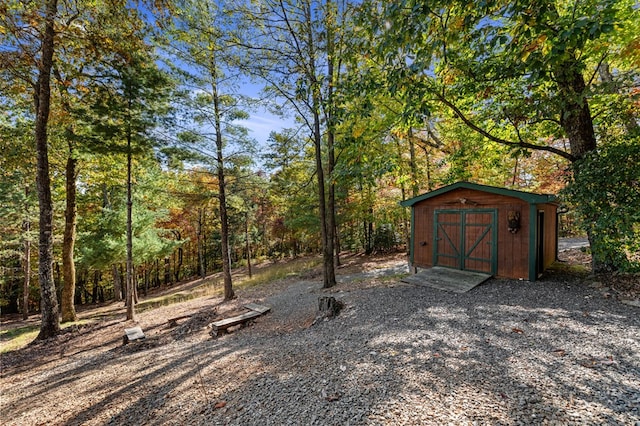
<point x="506" y="353"/>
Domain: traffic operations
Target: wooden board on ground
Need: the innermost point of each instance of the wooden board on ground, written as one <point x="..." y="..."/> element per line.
<point x="447" y="279"/>
<point x="219" y="327"/>
<point x="131" y="334"/>
<point x="258" y="308"/>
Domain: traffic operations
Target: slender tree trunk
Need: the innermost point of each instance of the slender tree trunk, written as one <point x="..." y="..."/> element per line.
<point x="68" y="265"/>
<point x="70" y="215"/>
<point x="413" y="167"/>
<point x="167" y="270"/>
<point x="145" y="274"/>
<point x="177" y="265"/>
<point x="94" y="292"/>
<point x="204" y="243"/>
<point x="27" y="258"/>
<point x="201" y="271"/>
<point x="332" y="75"/>
<point x="135" y="288"/>
<point x="247" y="243"/>
<point x="328" y="270"/>
<point x="131" y="311"/>
<point x="50" y="325"/>
<point x="405" y="214"/>
<point x="117" y="284"/>
<point x="222" y="198"/>
<point x="336" y="233"/>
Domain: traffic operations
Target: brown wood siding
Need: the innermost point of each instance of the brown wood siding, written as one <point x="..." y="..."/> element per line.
<point x="512" y="250"/>
<point x="423" y="236"/>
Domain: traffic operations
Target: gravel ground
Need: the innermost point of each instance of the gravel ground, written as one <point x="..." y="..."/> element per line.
<point x="506" y="353"/>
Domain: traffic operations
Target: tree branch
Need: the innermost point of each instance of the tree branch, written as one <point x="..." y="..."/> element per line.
<point x="476" y="128"/>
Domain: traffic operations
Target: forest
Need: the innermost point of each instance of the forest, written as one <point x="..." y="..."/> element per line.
<point x="127" y="161"/>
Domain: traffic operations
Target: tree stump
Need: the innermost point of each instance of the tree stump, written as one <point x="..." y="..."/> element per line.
<point x="329" y="307"/>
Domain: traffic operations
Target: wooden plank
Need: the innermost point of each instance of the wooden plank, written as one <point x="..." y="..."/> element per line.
<point x="228" y="322"/>
<point x="221" y="326"/>
<point x="257" y="308"/>
<point x="447" y="279"/>
<point x="255" y="311"/>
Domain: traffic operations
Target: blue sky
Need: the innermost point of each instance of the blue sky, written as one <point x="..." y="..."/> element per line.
<point x="262" y="123"/>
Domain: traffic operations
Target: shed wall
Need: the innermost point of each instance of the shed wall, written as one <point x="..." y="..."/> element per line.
<point x="512" y="249"/>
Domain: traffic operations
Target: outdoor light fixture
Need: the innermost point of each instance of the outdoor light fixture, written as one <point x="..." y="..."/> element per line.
<point x="513" y="219"/>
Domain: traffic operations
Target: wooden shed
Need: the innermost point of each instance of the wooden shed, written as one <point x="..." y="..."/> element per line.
<point x="503" y="232"/>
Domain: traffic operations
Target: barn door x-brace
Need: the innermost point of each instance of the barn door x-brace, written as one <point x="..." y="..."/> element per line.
<point x="466" y="239"/>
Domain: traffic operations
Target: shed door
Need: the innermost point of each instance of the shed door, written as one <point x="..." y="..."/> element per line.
<point x="465" y="239"/>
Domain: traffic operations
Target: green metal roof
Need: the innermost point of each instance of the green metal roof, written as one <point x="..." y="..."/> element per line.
<point x="529" y="197"/>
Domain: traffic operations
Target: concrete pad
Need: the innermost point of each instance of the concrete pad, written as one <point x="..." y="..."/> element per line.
<point x="447" y="279"/>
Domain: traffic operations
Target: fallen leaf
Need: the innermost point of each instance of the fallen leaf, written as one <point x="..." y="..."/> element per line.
<point x="517" y="330"/>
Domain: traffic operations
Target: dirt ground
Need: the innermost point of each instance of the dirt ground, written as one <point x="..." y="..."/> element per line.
<point x="102" y="337"/>
<point x="106" y="322"/>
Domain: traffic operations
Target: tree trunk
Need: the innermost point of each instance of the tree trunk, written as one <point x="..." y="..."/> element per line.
<point x="50" y="325"/>
<point x="156" y="281"/>
<point x="117" y="284"/>
<point x="337" y="244"/>
<point x="413" y="167"/>
<point x="177" y="265"/>
<point x="200" y="244"/>
<point x="328" y="272"/>
<point x="332" y="75"/>
<point x="329" y="306"/>
<point x="577" y="123"/>
<point x="27" y="260"/>
<point x="68" y="265"/>
<point x="135" y="287"/>
<point x="222" y="198"/>
<point x="405" y="214"/>
<point x="167" y="270"/>
<point x="247" y="243"/>
<point x="81" y="290"/>
<point x="575" y="117"/>
<point x="131" y="311"/>
<point x="328" y="269"/>
<point x="94" y="288"/>
<point x="145" y="271"/>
